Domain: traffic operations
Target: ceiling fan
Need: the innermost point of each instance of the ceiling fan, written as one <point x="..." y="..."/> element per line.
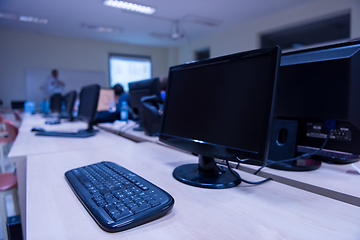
<point x="176" y="32"/>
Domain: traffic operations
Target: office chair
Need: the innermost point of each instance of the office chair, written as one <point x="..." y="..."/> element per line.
<point x="8" y="185"/>
<point x="12" y="131"/>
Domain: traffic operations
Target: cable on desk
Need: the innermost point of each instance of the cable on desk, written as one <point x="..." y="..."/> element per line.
<point x="243" y="180"/>
<point x="296" y="158"/>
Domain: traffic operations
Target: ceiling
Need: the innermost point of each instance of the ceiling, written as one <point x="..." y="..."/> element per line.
<point x="65" y="18"/>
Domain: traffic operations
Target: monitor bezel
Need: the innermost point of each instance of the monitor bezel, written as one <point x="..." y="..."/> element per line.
<point x="152" y="84"/>
<point x="89" y="119"/>
<point x="70" y="98"/>
<point x="199" y="147"/>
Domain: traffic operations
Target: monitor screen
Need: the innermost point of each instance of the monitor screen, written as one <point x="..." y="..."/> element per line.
<point x="318" y="86"/>
<point x="140" y="89"/>
<point x="89" y="97"/>
<point x="69" y="104"/>
<point x="221" y="108"/>
<point x="106" y="99"/>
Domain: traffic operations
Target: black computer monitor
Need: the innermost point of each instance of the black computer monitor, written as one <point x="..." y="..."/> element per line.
<point x="56" y="102"/>
<point x="220" y="108"/>
<point x="140" y="89"/>
<point x="70" y="99"/>
<point x="318" y="90"/>
<point x="89" y="97"/>
<point x="17" y="105"/>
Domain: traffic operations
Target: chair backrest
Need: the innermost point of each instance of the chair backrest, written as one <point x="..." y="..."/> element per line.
<point x="11" y="129"/>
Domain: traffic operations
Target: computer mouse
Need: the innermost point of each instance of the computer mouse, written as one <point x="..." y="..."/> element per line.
<point x="37" y="129"/>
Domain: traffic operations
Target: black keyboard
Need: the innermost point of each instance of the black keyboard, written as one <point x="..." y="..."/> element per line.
<point x="117" y="198"/>
<point x="82" y="134"/>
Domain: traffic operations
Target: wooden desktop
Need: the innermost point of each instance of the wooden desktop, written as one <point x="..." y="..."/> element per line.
<point x="269" y="211"/>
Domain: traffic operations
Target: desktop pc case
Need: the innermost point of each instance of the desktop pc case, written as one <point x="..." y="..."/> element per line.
<point x="319" y="87"/>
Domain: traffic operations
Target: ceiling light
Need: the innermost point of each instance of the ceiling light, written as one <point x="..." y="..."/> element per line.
<point x="101" y="28"/>
<point x="129" y="6"/>
<point x="23" y="18"/>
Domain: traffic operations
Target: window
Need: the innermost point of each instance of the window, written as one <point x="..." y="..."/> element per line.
<point x="124" y="69"/>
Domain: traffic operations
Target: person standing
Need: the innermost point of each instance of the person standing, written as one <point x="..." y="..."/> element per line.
<point x="55" y="89"/>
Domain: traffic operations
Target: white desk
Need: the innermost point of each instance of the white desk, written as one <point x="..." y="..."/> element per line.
<point x="332" y="181"/>
<point x="27" y="144"/>
<point x="268" y="211"/>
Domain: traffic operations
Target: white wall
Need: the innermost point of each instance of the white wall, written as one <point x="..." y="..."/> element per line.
<point x="247" y="37"/>
<point x="21" y="51"/>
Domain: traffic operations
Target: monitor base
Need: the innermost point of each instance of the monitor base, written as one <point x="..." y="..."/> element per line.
<point x="300" y="165"/>
<point x="214" y="177"/>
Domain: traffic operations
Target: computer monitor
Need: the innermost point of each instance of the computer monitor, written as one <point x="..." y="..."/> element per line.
<point x="89" y="97"/>
<point x="70" y="99"/>
<point x="140" y="89"/>
<point x="17" y="105"/>
<point x="220" y="108"/>
<point x="106" y="98"/>
<point x="56" y="102"/>
<point x="318" y="88"/>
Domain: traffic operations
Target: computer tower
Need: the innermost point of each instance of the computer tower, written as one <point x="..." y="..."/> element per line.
<point x="14" y="228"/>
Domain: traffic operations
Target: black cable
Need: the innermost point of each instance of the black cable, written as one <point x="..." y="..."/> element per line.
<point x="296" y="158"/>
<point x="243" y="180"/>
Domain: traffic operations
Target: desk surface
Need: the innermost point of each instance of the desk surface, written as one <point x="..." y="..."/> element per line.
<point x="332" y="181"/>
<point x="27" y="143"/>
<point x="268" y="211"/>
<point x="126" y="129"/>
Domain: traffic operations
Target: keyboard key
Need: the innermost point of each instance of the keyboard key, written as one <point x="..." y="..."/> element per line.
<point x="119" y="193"/>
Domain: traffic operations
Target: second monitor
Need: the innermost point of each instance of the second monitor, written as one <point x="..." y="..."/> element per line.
<point x="140" y="89"/>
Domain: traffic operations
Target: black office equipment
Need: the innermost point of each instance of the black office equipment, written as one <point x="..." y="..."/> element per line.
<point x="36" y="129"/>
<point x="17" y="105"/>
<point x="70" y="99"/>
<point x="152" y="113"/>
<point x="140" y="89"/>
<point x="220" y="108"/>
<point x="14" y="230"/>
<point x="117" y="198"/>
<point x="89" y="96"/>
<point x="55" y="103"/>
<point x="318" y="88"/>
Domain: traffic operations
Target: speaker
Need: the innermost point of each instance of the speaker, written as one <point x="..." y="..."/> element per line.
<point x="283" y="140"/>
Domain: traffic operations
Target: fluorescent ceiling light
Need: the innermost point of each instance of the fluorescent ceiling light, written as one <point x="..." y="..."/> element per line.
<point x="23" y="18"/>
<point x="101" y="28"/>
<point x="129" y="6"/>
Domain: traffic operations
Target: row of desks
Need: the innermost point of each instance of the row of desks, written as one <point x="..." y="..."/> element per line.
<point x="339" y="182"/>
<point x="268" y="211"/>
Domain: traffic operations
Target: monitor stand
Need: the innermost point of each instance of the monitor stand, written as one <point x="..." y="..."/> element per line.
<point x="90" y="129"/>
<point x="206" y="174"/>
<point x="299" y="165"/>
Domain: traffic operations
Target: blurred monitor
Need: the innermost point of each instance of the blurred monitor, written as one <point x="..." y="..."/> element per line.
<point x="70" y="99"/>
<point x="19" y="105"/>
<point x="106" y="99"/>
<point x="140" y="89"/>
<point x="89" y="98"/>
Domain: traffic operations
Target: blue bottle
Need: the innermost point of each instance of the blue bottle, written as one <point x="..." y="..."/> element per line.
<point x="124" y="111"/>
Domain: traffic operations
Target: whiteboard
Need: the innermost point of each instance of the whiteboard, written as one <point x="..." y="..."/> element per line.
<point x="73" y="79"/>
